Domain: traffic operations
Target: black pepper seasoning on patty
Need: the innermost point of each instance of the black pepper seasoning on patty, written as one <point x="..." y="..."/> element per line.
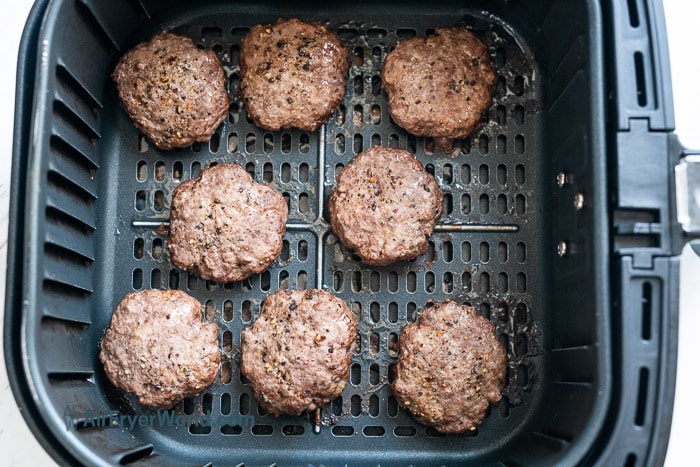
<point x="157" y="347"/>
<point x="225" y="227"/>
<point x="293" y="74"/>
<point x="174" y="92"/>
<point x="439" y="86"/>
<point x="450" y="367"/>
<point x="385" y="206"/>
<point x="297" y="354"/>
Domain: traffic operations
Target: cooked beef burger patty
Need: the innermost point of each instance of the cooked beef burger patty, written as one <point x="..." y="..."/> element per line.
<point x="224" y="226"/>
<point x="439" y="86"/>
<point x="297" y="354"/>
<point x="450" y="367"/>
<point x="293" y="74"/>
<point x="174" y="92"/>
<point x="157" y="347"/>
<point x="385" y="206"/>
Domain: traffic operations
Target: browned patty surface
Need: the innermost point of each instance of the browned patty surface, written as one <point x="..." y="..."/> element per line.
<point x="174" y="92"/>
<point x="157" y="347"/>
<point x="450" y="367"/>
<point x="293" y="74"/>
<point x="439" y="86"/>
<point x="385" y="206"/>
<point x="297" y="354"/>
<point x="224" y="226"/>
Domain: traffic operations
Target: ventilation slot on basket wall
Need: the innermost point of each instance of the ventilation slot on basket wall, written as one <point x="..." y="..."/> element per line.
<point x="70" y="85"/>
<point x="134" y="454"/>
<point x="648" y="309"/>
<point x="633" y="10"/>
<point x="71" y="377"/>
<point x="642" y="392"/>
<point x="641" y="80"/>
<point x="97" y="25"/>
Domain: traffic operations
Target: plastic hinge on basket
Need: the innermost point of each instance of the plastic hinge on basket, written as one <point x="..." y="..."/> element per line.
<point x="655" y="213"/>
<point x="642" y="216"/>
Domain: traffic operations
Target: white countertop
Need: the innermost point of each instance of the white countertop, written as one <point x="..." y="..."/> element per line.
<point x="19" y="448"/>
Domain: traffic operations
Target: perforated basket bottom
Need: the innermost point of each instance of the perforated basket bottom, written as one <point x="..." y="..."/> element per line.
<point x="482" y="252"/>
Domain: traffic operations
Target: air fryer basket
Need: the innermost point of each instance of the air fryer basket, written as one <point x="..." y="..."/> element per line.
<point x="524" y="237"/>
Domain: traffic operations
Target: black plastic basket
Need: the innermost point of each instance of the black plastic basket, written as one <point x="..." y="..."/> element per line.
<point x="559" y="225"/>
